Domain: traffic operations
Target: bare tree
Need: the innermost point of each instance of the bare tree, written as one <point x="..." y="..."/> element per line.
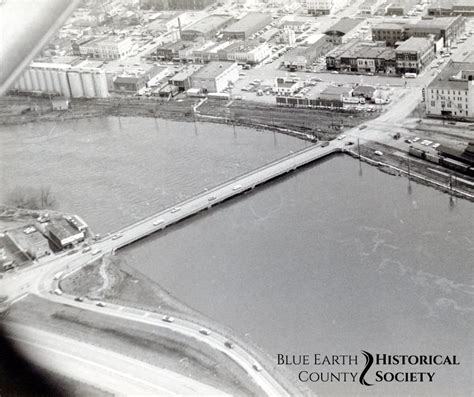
<point x="31" y="198"/>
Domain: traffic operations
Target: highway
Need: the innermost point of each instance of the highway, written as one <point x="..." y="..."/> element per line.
<point x="119" y="374"/>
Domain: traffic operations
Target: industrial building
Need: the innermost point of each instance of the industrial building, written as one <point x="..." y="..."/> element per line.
<point x="182" y="80"/>
<point x="66" y="76"/>
<point x="215" y="76"/>
<point x="414" y="54"/>
<point x="324" y="7"/>
<point x="451" y="94"/>
<point x="344" y="30"/>
<point x="63" y="233"/>
<point x="206" y="27"/>
<point x="247" y="26"/>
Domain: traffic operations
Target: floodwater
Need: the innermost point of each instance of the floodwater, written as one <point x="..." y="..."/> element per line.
<point x="333" y="259"/>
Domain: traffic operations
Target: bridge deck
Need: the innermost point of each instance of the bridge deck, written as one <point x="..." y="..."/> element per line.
<point x="220" y="193"/>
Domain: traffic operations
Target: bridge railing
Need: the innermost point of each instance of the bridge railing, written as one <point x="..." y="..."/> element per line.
<point x="228" y="182"/>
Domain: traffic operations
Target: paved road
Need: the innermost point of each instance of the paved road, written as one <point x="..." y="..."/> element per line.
<point x="119" y="374"/>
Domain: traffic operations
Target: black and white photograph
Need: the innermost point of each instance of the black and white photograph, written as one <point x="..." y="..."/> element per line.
<point x="252" y="198"/>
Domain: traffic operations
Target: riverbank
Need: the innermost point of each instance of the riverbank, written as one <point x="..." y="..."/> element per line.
<point x="304" y="123"/>
<point x="113" y="280"/>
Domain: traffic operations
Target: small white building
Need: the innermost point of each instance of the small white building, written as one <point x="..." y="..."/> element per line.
<point x="215" y="76"/>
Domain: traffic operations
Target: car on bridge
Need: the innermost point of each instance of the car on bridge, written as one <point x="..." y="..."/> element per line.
<point x="236" y="187"/>
<point x="100" y="304"/>
<point x="229" y="344"/>
<point x="116" y="237"/>
<point x="212" y="198"/>
<point x="257" y="367"/>
<point x="96" y="251"/>
<point x="324" y="144"/>
<point x="158" y="222"/>
<point x="168" y="319"/>
<point x="175" y="209"/>
<point x="205" y="331"/>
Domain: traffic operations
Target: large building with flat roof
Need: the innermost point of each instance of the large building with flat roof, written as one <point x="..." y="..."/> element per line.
<point x="446" y="28"/>
<point x="215" y="76"/>
<point x="247" y="26"/>
<point x="205" y="27"/>
<point x="362" y="57"/>
<point x="342" y="31"/>
<point x="414" y="54"/>
<point x="451" y="94"/>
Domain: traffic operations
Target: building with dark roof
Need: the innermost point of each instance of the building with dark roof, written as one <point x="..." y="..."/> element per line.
<point x="335" y="93"/>
<point x="303" y="56"/>
<point x="389" y="33"/>
<point x="342" y="30"/>
<point x="169" y="51"/>
<point x="247" y="26"/>
<point x="63" y="233"/>
<point x="362" y="57"/>
<point x="400" y="7"/>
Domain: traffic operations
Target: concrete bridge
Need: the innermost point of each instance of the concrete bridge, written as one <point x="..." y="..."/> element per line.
<point x="216" y="195"/>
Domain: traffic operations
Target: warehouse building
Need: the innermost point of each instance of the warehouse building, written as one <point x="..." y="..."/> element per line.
<point x="389" y="33"/>
<point x="344" y="30"/>
<point x="206" y="27"/>
<point x="247" y="26"/>
<point x="215" y="76"/>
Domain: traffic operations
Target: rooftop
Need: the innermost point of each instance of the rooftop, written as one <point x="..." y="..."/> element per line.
<point x="212" y="69"/>
<point x="208" y="24"/>
<point x="414" y="44"/>
<point x="336" y="90"/>
<point x="389" y="26"/>
<point x="345" y="25"/>
<point x="446" y="80"/>
<point x="248" y="22"/>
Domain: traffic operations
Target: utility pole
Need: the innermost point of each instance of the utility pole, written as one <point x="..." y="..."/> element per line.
<point x="358" y="147"/>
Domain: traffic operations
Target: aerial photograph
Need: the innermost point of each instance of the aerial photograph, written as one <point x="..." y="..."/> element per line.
<point x="237" y="198"/>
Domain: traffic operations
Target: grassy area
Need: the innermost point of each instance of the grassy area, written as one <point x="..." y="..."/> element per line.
<point x="157" y="346"/>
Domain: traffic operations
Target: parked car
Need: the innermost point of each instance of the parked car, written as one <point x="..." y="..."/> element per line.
<point x="324" y="144"/>
<point x="100" y="304"/>
<point x="79" y="299"/>
<point x="378" y="153"/>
